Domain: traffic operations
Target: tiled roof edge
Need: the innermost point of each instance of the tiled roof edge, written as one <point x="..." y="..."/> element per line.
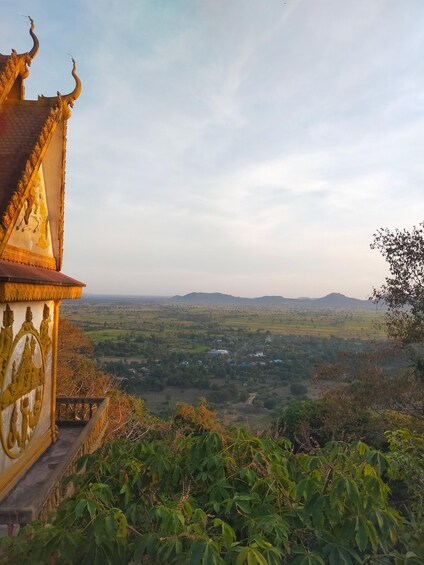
<point x="30" y="166"/>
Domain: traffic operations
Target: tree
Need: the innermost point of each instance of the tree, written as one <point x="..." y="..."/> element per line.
<point x="78" y="374"/>
<point x="403" y="293"/>
<point x="403" y="290"/>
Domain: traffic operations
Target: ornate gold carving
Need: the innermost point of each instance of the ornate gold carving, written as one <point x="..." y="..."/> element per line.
<point x="18" y="64"/>
<point x="6" y="337"/>
<point x="9" y="73"/>
<point x="22" y="377"/>
<point x="20" y="292"/>
<point x="45" y="330"/>
<point x="13" y="473"/>
<point x="30" y="241"/>
<point x="55" y="347"/>
<point x="18" y="255"/>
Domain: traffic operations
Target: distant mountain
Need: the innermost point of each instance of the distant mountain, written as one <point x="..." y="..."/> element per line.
<point x="333" y="300"/>
<point x="211" y="298"/>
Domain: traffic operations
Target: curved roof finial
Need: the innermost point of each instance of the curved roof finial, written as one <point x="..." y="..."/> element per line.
<point x="36" y="44"/>
<point x="70" y="98"/>
<point x="25" y="59"/>
<point x="64" y="101"/>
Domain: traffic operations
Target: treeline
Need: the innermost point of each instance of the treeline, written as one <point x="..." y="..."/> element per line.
<point x="285" y="358"/>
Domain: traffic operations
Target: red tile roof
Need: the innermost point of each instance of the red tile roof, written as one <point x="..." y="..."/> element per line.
<point x="20" y="126"/>
<point x="15" y="272"/>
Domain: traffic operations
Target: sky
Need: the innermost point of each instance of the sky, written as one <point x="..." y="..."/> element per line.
<point x="251" y="147"/>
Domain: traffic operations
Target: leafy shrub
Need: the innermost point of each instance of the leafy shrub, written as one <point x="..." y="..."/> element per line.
<point x="226" y="497"/>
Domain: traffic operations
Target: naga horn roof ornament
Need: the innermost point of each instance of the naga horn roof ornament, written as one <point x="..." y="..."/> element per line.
<point x="66" y="101"/>
<point x="70" y="98"/>
<point x="36" y="44"/>
<point x="27" y="58"/>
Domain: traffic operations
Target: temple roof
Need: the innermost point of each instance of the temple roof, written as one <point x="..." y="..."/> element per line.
<point x="21" y="130"/>
<point x="14" y="272"/>
<point x="31" y="131"/>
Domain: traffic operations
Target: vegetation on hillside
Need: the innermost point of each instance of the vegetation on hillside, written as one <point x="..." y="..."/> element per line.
<point x="202" y="493"/>
<point x="79" y="375"/>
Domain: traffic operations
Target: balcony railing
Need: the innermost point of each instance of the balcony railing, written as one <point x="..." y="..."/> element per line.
<point x="92" y="414"/>
<point x="79" y="410"/>
<point x="82" y="423"/>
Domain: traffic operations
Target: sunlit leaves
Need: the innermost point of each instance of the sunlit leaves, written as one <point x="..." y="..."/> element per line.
<point x="216" y="498"/>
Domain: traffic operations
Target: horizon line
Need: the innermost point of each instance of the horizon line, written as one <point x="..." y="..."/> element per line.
<point x="167" y="296"/>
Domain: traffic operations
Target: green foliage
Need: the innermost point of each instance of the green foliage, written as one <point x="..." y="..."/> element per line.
<point x="403" y="290"/>
<point x="227" y="497"/>
<point x="407" y="471"/>
<point x="302" y="422"/>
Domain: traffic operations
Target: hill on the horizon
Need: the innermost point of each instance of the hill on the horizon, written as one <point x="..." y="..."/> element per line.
<point x="332" y="300"/>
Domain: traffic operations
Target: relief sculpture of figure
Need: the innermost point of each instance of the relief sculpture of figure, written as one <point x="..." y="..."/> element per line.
<point x="30" y="216"/>
<point x="12" y="392"/>
<point x="35" y="414"/>
<point x="28" y="326"/>
<point x="25" y="420"/>
<point x="44" y="226"/>
<point x="6" y="337"/>
<point x="44" y="330"/>
<point x="13" y="437"/>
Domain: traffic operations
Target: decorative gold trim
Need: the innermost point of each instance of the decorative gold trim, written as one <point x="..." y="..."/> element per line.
<point x="61" y="222"/>
<point x="9" y="75"/>
<point x="12" y="474"/>
<point x="55" y="342"/>
<point x="21" y="292"/>
<point x="19" y="255"/>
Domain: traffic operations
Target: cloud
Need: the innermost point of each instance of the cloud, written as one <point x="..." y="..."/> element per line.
<point x="247" y="147"/>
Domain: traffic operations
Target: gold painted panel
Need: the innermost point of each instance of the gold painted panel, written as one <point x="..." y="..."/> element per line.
<point x="23" y="360"/>
<point x="32" y="229"/>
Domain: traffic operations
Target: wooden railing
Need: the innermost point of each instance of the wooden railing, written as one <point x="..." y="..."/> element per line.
<point x="92" y="413"/>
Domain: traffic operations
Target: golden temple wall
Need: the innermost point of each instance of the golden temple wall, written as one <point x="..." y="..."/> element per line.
<point x="27" y="386"/>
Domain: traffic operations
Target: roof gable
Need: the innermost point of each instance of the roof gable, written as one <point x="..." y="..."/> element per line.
<point x="32" y="161"/>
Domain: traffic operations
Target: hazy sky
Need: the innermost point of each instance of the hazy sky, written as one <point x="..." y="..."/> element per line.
<point x="243" y="146"/>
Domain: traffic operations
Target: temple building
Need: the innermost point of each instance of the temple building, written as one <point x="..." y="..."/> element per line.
<point x="40" y="435"/>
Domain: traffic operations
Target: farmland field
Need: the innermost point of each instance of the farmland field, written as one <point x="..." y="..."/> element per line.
<point x="247" y="361"/>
